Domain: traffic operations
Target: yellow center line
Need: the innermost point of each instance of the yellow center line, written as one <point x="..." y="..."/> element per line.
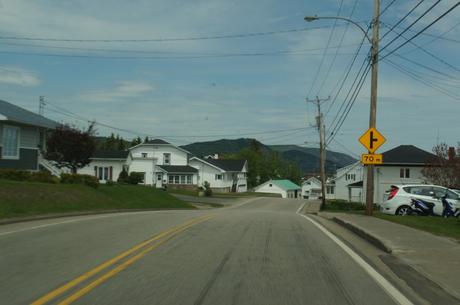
<point x="122" y="267"/>
<point x="57" y="292"/>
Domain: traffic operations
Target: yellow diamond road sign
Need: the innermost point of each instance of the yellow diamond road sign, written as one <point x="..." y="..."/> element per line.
<point x="372" y="139"/>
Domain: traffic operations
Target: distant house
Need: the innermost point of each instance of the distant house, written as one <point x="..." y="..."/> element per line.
<point x="23" y="138"/>
<point x="349" y="182"/>
<point x="164" y="164"/>
<point x="223" y="175"/>
<point x="106" y="165"/>
<point x="284" y="187"/>
<point x="311" y="189"/>
<point x="401" y="165"/>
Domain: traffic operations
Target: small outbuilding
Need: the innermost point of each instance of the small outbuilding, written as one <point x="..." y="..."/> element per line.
<point x="284" y="187"/>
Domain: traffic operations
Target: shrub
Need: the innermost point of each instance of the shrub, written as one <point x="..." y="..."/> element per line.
<point x="135" y="178"/>
<point x="110" y="183"/>
<point x="207" y="189"/>
<point x="17" y="175"/>
<point x="80" y="179"/>
<point x="21" y="175"/>
<point x="123" y="177"/>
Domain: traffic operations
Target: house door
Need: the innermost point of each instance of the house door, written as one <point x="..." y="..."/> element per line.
<point x="159" y="181"/>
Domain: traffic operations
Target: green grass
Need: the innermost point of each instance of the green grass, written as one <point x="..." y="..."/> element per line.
<point x="449" y="227"/>
<point x="183" y="192"/>
<point x="29" y="198"/>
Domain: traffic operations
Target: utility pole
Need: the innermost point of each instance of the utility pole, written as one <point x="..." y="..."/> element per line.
<point x="373" y="107"/>
<point x="322" y="146"/>
<point x="41" y="105"/>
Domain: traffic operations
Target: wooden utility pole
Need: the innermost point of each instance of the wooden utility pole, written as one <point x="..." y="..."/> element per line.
<point x="373" y="107"/>
<point x="322" y="147"/>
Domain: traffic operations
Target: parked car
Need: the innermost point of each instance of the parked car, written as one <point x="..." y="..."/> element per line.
<point x="398" y="201"/>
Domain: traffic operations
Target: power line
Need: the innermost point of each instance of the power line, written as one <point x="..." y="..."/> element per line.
<point x="68" y="113"/>
<point x="402" y="19"/>
<point x="412" y="24"/>
<point x="292" y="52"/>
<point x="440" y="36"/>
<point x="437" y="36"/>
<point x="419" y="79"/>
<point x="337" y="50"/>
<point x="429" y="53"/>
<point x="331" y="33"/>
<point x="351" y="102"/>
<point x="386" y="8"/>
<point x="421" y="31"/>
<point x="192" y="38"/>
<point x="346" y="73"/>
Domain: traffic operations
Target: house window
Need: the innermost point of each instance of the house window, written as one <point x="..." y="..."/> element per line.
<point x="218" y="176"/>
<point x="159" y="176"/>
<point x="166" y="158"/>
<point x="104" y="173"/>
<point x="144" y="155"/>
<point x="180" y="179"/>
<point x="404" y="173"/>
<point x="329" y="189"/>
<point x="270" y="185"/>
<point x="10" y="142"/>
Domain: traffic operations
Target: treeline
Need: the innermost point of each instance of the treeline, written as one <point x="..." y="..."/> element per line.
<point x="263" y="166"/>
<point x="116" y="142"/>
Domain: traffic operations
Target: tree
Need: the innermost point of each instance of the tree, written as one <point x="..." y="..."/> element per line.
<point x="445" y="168"/>
<point x="136" y="141"/>
<point x="71" y="147"/>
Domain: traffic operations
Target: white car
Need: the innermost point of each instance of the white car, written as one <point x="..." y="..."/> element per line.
<point x="399" y="198"/>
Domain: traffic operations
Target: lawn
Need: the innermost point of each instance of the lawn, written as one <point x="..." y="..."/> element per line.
<point x="30" y="198"/>
<point x="449" y="227"/>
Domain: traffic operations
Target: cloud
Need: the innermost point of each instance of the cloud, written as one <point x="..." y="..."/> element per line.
<point x="18" y="76"/>
<point x="122" y="90"/>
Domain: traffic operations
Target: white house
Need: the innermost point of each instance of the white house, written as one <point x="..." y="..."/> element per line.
<point x="284" y="187"/>
<point x="106" y="165"/>
<point x="311" y="189"/>
<point x="349" y="182"/>
<point x="164" y="164"/>
<point x="223" y="175"/>
<point x="401" y="165"/>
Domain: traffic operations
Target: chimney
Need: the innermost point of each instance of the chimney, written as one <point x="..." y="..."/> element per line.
<point x="216" y="156"/>
<point x="451" y="153"/>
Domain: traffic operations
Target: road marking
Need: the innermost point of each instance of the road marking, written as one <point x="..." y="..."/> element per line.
<point x="124" y="265"/>
<point x="394" y="293"/>
<point x="55" y="293"/>
<point x="300" y="208"/>
<point x="73" y="220"/>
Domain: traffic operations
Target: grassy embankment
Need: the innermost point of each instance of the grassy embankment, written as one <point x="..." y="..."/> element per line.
<point x="449" y="227"/>
<point x="216" y="194"/>
<point x="30" y="198"/>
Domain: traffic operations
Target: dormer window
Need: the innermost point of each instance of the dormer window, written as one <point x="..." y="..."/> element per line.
<point x="166" y="158"/>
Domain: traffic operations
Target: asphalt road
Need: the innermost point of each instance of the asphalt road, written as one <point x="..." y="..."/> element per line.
<point x="261" y="252"/>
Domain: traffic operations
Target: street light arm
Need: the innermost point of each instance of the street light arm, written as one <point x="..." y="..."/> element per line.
<point x="313" y="18"/>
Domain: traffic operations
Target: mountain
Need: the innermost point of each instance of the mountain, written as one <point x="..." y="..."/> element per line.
<point x="306" y="158"/>
<point x="223" y="146"/>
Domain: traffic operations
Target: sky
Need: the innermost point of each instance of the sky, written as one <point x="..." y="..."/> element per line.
<point x="145" y="68"/>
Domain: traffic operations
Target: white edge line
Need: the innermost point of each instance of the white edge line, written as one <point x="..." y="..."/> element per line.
<point x="300" y="208"/>
<point x="70" y="221"/>
<point x="377" y="277"/>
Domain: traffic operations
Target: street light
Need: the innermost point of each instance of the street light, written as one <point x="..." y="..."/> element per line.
<point x="374" y="41"/>
<point x="314" y="18"/>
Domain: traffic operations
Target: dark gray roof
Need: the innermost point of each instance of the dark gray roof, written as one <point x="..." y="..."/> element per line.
<point x="227" y="164"/>
<point x="356" y="184"/>
<point x="407" y="155"/>
<point x="157" y="141"/>
<point x="20" y="115"/>
<point x="110" y="154"/>
<point x="178" y="169"/>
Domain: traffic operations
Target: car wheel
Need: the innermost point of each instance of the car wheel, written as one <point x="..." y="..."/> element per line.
<point x="403" y="210"/>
